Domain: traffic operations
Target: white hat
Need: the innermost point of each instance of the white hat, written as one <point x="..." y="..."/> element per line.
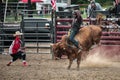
<point x="17" y="33"/>
<point x="47" y="24"/>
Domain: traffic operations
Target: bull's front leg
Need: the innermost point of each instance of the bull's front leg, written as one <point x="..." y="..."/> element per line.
<point x="78" y="63"/>
<point x="70" y="63"/>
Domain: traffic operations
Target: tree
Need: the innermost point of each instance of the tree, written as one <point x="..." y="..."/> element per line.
<point x="102" y="2"/>
<point x="11" y="0"/>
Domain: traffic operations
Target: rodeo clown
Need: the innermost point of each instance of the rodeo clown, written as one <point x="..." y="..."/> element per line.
<point x="15" y="49"/>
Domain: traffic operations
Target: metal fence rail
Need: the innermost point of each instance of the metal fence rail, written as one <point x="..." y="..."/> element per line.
<point x="6" y="35"/>
<point x="63" y="24"/>
<point x="37" y="37"/>
<point x="37" y="40"/>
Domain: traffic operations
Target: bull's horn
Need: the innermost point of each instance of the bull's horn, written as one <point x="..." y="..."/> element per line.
<point x="63" y="48"/>
<point x="57" y="58"/>
<point x="79" y="51"/>
<point x="51" y="44"/>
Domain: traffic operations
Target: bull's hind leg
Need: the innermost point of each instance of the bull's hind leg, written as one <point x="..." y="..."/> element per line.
<point x="78" y="60"/>
<point x="70" y="63"/>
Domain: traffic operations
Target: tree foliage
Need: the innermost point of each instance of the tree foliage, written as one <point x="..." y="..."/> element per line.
<point x="11" y="0"/>
<point x="102" y="2"/>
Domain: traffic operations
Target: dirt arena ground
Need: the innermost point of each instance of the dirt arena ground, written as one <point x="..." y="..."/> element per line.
<point x="42" y="67"/>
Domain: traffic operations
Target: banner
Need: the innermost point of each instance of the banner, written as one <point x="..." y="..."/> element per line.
<point x="53" y="3"/>
<point x="33" y="1"/>
<point x="116" y="1"/>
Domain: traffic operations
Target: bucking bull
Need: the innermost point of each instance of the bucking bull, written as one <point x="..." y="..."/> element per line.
<point x="87" y="37"/>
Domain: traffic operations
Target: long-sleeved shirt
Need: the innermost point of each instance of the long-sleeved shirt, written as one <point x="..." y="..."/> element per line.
<point x="90" y="12"/>
<point x="15" y="46"/>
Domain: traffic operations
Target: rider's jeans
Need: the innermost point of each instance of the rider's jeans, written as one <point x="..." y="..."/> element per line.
<point x="73" y="32"/>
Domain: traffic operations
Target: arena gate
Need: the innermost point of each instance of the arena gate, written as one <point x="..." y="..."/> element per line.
<point x="37" y="34"/>
<point x="110" y="41"/>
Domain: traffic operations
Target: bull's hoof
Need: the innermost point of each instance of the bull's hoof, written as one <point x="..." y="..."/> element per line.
<point x="68" y="68"/>
<point x="57" y="58"/>
<point x="78" y="69"/>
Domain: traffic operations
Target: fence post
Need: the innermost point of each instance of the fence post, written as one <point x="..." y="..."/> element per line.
<point x="54" y="25"/>
<point x="51" y="51"/>
<point x="53" y="29"/>
<point x="37" y="38"/>
<point x="22" y="28"/>
<point x="1" y="39"/>
<point x="1" y="12"/>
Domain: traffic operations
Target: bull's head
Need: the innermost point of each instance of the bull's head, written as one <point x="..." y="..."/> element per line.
<point x="57" y="50"/>
<point x="60" y="48"/>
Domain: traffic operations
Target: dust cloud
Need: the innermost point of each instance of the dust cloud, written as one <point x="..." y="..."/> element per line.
<point x="96" y="60"/>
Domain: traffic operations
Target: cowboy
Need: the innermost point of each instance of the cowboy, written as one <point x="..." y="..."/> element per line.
<point x="15" y="49"/>
<point x="75" y="27"/>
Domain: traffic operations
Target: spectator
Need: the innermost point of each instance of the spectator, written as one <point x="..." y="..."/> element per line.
<point x="117" y="10"/>
<point x="92" y="7"/>
<point x="15" y="49"/>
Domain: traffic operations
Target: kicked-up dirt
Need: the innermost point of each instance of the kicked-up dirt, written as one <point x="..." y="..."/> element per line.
<point x="42" y="67"/>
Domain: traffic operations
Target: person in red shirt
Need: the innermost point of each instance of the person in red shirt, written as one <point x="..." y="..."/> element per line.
<point x="15" y="49"/>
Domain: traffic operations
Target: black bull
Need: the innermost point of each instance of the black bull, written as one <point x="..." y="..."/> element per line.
<point x="87" y="37"/>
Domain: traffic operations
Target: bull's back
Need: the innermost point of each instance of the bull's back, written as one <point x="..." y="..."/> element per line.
<point x="88" y="35"/>
<point x="83" y="34"/>
<point x="84" y="37"/>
